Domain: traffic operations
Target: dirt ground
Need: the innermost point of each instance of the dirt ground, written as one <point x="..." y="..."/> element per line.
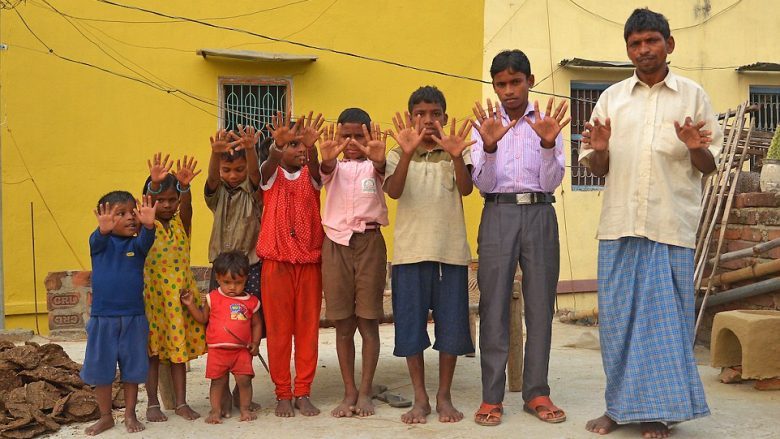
<point x="576" y="379"/>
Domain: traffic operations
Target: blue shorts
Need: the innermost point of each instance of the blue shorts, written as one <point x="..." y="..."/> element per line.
<point x="112" y="340"/>
<point x="442" y="288"/>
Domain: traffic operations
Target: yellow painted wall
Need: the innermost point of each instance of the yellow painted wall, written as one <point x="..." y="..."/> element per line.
<point x="71" y="133"/>
<point x="709" y="48"/>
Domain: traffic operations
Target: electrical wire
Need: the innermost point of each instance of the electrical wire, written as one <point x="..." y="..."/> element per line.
<point x="601" y="17"/>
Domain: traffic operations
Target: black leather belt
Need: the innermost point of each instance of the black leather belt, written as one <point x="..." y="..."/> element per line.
<point x="522" y="198"/>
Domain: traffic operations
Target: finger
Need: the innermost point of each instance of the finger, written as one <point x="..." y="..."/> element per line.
<point x="471" y="142"/>
<point x="705" y="133"/>
<point x="537" y="115"/>
<point x="677" y="127"/>
<point x="311" y="116"/>
<point x="319" y="121"/>
<point x="452" y="126"/>
<point x="548" y="110"/>
<point x="342" y="147"/>
<point x="699" y="125"/>
<point x="359" y="146"/>
<point x="490" y="111"/>
<point x="408" y="118"/>
<point x="437" y="140"/>
<point x="195" y="174"/>
<point x="149" y="163"/>
<point x="589" y="126"/>
<point x="366" y="134"/>
<point x="688" y="121"/>
<point x="418" y="124"/>
<point x="565" y="122"/>
<point x="560" y="111"/>
<point x="511" y="124"/>
<point x="607" y="123"/>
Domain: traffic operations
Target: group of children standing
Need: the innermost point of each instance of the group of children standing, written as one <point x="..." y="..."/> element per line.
<point x="155" y="313"/>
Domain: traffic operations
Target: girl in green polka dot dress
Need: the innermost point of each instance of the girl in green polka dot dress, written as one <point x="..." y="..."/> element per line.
<point x="174" y="335"/>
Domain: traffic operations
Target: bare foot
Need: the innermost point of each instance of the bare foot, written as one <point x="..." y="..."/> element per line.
<point x="447" y="412"/>
<point x="601" y="425"/>
<point x="226" y="407"/>
<point x="284" y="408"/>
<point x="417" y="414"/>
<point x="654" y="429"/>
<point x="132" y="424"/>
<point x="154" y="414"/>
<point x="214" y="417"/>
<point x="247" y="415"/>
<point x="364" y="406"/>
<point x="346" y="408"/>
<point x="104" y="423"/>
<point x="186" y="412"/>
<point x="303" y="403"/>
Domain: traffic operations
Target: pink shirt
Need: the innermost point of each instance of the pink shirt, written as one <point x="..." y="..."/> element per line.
<point x="353" y="198"/>
<point x="520" y="164"/>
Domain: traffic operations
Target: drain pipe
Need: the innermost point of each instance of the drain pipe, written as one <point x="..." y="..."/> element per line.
<point x="740" y="293"/>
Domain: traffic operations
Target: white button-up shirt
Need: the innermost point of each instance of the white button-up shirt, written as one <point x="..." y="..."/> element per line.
<point x="652" y="190"/>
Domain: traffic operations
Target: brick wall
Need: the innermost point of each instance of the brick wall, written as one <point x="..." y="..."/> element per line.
<point x="754" y="218"/>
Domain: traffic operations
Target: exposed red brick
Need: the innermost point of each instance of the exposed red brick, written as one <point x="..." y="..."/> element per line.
<point x="769" y="217"/>
<point x="732" y="246"/>
<point x="772" y="233"/>
<point x="774" y="253"/>
<point x="752" y="233"/>
<point x="82" y="278"/>
<point x="732" y="232"/>
<point x="743" y="216"/>
<point x="756" y="199"/>
<point x="53" y="280"/>
<point x="736" y="264"/>
<point x="768" y="384"/>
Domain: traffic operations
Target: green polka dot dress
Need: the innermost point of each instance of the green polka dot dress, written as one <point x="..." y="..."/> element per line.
<point x="174" y="335"/>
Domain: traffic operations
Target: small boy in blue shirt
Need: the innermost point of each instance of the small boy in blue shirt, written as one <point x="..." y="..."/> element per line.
<point x="117" y="331"/>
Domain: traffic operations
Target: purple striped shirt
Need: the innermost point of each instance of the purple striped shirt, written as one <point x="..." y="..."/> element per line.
<point x="520" y="164"/>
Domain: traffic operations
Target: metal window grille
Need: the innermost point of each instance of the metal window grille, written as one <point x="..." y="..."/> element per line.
<point x="247" y="102"/>
<point x="581" y="178"/>
<point x="768" y="99"/>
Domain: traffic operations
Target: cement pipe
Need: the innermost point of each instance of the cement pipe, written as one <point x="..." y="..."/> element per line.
<point x="741" y="292"/>
<point x="751" y="272"/>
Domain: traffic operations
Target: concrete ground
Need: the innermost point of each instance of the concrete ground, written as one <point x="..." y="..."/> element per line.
<point x="576" y="379"/>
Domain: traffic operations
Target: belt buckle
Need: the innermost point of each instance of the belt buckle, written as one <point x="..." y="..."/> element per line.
<point x="525" y="198"/>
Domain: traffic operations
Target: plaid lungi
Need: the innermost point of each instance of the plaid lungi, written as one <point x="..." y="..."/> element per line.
<point x="646" y="320"/>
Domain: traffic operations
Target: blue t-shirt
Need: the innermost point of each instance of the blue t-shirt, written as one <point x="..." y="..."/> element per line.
<point x="118" y="272"/>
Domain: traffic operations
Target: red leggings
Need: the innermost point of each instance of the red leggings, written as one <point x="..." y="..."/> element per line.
<point x="292" y="301"/>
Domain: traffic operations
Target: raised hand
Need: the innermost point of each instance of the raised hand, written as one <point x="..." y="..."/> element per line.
<point x="310" y="129"/>
<point x="159" y="167"/>
<point x="329" y="144"/>
<point x="692" y="134"/>
<point x="408" y="134"/>
<point x="106" y="217"/>
<point x="596" y="135"/>
<point x="224" y="141"/>
<point x="247" y="137"/>
<point x="186" y="297"/>
<point x="253" y="349"/>
<point x="144" y="211"/>
<point x="548" y="127"/>
<point x="377" y="143"/>
<point x="490" y="126"/>
<point x="186" y="172"/>
<point x="281" y="130"/>
<point x="454" y="144"/>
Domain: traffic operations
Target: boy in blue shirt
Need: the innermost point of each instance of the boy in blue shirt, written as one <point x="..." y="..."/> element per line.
<point x="117" y="331"/>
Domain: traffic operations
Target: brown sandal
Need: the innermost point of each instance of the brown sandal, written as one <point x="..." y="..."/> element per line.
<point x="489" y="415"/>
<point x="543" y="408"/>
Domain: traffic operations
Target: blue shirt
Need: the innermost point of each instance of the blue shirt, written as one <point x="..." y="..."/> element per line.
<point x="118" y="272"/>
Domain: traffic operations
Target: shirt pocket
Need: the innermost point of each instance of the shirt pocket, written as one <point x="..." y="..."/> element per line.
<point x="667" y="143"/>
<point x="446" y="175"/>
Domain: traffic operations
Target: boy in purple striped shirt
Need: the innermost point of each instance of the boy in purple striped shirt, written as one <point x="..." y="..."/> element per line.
<point x="518" y="163"/>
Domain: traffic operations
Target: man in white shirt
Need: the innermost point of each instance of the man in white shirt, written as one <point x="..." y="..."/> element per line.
<point x="653" y="136"/>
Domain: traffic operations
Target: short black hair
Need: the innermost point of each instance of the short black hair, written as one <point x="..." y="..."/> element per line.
<point x="168" y="183"/>
<point x="512" y="60"/>
<point x="232" y="262"/>
<point x="644" y="19"/>
<point x="116" y="197"/>
<point x="237" y="154"/>
<point x="429" y="94"/>
<point x="355" y="115"/>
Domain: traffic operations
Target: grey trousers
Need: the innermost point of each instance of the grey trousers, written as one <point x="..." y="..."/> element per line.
<point x="510" y="234"/>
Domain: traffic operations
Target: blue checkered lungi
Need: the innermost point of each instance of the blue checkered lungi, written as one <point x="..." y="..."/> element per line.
<point x="646" y="320"/>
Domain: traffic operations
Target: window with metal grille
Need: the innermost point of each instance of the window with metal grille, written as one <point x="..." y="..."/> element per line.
<point x="768" y="100"/>
<point x="584" y="96"/>
<point x="247" y="101"/>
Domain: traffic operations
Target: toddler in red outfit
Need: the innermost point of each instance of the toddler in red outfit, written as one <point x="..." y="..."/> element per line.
<point x="233" y="333"/>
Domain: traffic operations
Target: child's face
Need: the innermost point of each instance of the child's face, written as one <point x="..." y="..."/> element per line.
<point x="353" y="131"/>
<point x="231" y="284"/>
<point x="233" y="173"/>
<point x="512" y="89"/>
<point x="429" y="113"/>
<point x="167" y="204"/>
<point x="294" y="156"/>
<point x="126" y="221"/>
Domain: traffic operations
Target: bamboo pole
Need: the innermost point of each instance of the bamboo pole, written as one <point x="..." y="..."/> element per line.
<point x="515" y="363"/>
<point x="751" y="272"/>
<point x="746" y="252"/>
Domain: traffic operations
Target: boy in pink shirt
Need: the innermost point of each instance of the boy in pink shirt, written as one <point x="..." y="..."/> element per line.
<point x="354" y="256"/>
